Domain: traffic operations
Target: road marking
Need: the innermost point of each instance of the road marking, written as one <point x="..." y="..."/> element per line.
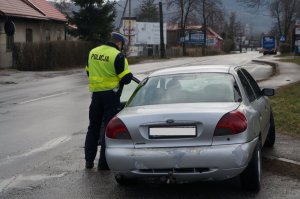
<point x="283" y="160"/>
<point x="41" y="98"/>
<point x="16" y="180"/>
<point x="47" y="146"/>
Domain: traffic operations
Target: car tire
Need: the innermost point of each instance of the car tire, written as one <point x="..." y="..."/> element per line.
<point x="271" y="137"/>
<point x="251" y="177"/>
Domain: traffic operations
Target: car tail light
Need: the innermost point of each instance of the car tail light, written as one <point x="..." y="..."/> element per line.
<point x="116" y="129"/>
<point x="231" y="123"/>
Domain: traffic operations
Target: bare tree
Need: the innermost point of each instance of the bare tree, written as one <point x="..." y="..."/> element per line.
<point x="234" y="28"/>
<point x="63" y="6"/>
<point x="215" y="15"/>
<point x="255" y="3"/>
<point x="276" y="11"/>
<point x="233" y="32"/>
<point x="284" y="12"/>
<point x="290" y="13"/>
<point x="183" y="10"/>
<point x="148" y="11"/>
<point x="210" y="10"/>
<point x="212" y="13"/>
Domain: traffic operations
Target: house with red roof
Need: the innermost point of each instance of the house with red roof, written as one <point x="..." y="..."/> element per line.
<point x="193" y="37"/>
<point x="34" y="21"/>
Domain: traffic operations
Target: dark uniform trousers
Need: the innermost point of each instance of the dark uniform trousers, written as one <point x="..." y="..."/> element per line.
<point x="103" y="106"/>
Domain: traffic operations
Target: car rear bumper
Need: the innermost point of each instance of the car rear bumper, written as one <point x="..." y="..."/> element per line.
<point x="185" y="163"/>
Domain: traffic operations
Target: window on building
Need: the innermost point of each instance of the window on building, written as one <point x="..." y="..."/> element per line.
<point x="58" y="34"/>
<point x="28" y="35"/>
<point x="48" y="35"/>
<point x="9" y="43"/>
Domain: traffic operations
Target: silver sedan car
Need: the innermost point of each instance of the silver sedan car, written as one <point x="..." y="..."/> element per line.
<point x="192" y="123"/>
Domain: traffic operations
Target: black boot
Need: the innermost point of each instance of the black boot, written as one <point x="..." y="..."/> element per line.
<point x="89" y="165"/>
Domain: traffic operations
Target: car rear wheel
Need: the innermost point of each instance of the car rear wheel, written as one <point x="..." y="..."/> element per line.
<point x="251" y="178"/>
<point x="271" y="137"/>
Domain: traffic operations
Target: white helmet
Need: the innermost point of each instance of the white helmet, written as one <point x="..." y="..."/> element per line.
<point x="119" y="37"/>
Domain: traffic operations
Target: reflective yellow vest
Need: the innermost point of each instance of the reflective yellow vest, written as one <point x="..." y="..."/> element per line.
<point x="101" y="69"/>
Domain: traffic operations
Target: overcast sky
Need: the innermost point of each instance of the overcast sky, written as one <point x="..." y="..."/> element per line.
<point x="259" y="21"/>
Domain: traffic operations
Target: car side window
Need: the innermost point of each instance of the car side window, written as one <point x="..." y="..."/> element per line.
<point x="128" y="90"/>
<point x="253" y="83"/>
<point x="246" y="86"/>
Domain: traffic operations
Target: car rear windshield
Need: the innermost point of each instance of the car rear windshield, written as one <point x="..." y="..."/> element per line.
<point x="186" y="88"/>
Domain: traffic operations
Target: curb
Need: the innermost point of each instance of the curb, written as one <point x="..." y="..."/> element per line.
<point x="274" y="65"/>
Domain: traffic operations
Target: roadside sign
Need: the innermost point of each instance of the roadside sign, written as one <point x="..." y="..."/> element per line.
<point x="129" y="26"/>
<point x="149" y="33"/>
<point x="282" y="38"/>
<point x="193" y="37"/>
<point x="269" y="42"/>
<point x="297" y="44"/>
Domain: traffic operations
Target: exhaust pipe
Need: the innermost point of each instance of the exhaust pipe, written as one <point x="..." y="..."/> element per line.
<point x="170" y="178"/>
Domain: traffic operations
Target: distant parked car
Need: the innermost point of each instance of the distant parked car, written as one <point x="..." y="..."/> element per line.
<point x="192" y="123"/>
<point x="259" y="49"/>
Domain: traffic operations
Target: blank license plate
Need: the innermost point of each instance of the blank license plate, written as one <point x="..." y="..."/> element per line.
<point x="186" y="131"/>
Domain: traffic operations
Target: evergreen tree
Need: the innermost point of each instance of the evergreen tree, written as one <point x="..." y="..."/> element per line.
<point x="94" y="20"/>
<point x="148" y="12"/>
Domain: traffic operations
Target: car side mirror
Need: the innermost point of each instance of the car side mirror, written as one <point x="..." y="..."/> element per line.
<point x="268" y="92"/>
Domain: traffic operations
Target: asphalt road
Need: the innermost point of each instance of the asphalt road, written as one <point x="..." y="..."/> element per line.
<point x="43" y="122"/>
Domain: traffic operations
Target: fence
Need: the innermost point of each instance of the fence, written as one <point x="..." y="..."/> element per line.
<point x="50" y="55"/>
<point x="67" y="54"/>
<point x="191" y="51"/>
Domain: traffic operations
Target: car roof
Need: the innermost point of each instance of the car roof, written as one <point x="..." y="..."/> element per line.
<point x="193" y="69"/>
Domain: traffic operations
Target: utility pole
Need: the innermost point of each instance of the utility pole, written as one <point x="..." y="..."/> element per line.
<point x="129" y="32"/>
<point x="204" y="27"/>
<point x="123" y="14"/>
<point x="161" y="23"/>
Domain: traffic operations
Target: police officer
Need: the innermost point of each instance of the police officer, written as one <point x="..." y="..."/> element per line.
<point x="107" y="69"/>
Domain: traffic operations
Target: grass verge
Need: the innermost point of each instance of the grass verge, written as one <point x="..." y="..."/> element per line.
<point x="290" y="58"/>
<point x="286" y="109"/>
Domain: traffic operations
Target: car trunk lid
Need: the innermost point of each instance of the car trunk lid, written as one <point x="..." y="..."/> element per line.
<point x="174" y="125"/>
